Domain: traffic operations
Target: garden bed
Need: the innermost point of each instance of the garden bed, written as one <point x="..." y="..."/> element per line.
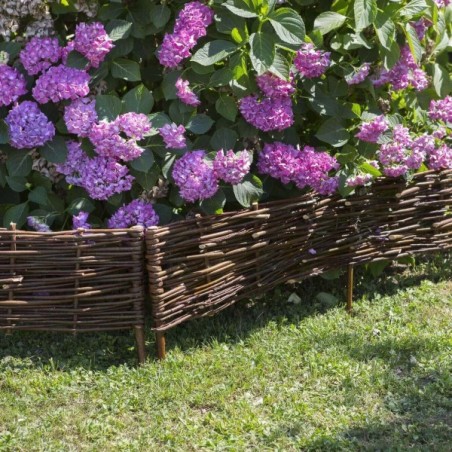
<point x="200" y="266"/>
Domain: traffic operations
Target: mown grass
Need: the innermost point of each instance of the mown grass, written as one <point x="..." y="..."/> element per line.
<point x="264" y="375"/>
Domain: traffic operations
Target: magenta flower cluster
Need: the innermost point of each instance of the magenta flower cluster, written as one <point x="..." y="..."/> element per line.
<point x="28" y="126"/>
<point x="359" y="180"/>
<point x="360" y="75"/>
<point x="311" y="63"/>
<point x="403" y="74"/>
<point x="93" y="42"/>
<point x="441" y="109"/>
<point x="304" y="168"/>
<point x="37" y="225"/>
<point x="185" y="94"/>
<point x="80" y="221"/>
<point x="195" y="177"/>
<point x="80" y="116"/>
<point x="39" y="54"/>
<point x="12" y="85"/>
<point x="136" y="213"/>
<point x="61" y="82"/>
<point x="440" y="158"/>
<point x="173" y="136"/>
<point x="371" y="131"/>
<point x="190" y="25"/>
<point x="231" y="167"/>
<point x="273" y="86"/>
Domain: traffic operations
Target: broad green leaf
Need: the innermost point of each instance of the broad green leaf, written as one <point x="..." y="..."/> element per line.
<point x="370" y="169"/>
<point x="413" y="42"/>
<point x="126" y="70"/>
<point x="16" y="214"/>
<point x="199" y="124"/>
<point x="17" y="183"/>
<point x="327" y="299"/>
<point x="215" y="204"/>
<point x="280" y="66"/>
<point x="414" y="8"/>
<point x="79" y="204"/>
<point x="148" y="179"/>
<point x="333" y="132"/>
<point x="19" y="164"/>
<point x="76" y="60"/>
<point x="365" y="13"/>
<point x="262" y="51"/>
<point x="241" y="8"/>
<point x="138" y="100"/>
<point x="226" y="106"/>
<point x="118" y="29"/>
<point x="221" y="77"/>
<point x="248" y="191"/>
<point x="329" y="21"/>
<point x="441" y="80"/>
<point x="169" y="85"/>
<point x="39" y="196"/>
<point x="288" y="25"/>
<point x="385" y="30"/>
<point x="214" y="51"/>
<point x="144" y="162"/>
<point x="224" y="139"/>
<point x="225" y="21"/>
<point x="160" y="15"/>
<point x="4" y="135"/>
<point x="108" y="107"/>
<point x="391" y="56"/>
<point x="55" y="151"/>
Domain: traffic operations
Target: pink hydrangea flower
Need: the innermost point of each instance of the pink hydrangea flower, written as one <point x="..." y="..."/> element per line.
<point x="273" y="86"/>
<point x="441" y="158"/>
<point x="93" y="42"/>
<point x="311" y="63"/>
<point x="185" y="94"/>
<point x="359" y="180"/>
<point x="371" y="131"/>
<point x="173" y="136"/>
<point x="134" y="125"/>
<point x="441" y="109"/>
<point x="230" y="167"/>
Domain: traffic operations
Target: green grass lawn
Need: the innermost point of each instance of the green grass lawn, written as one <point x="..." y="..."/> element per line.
<point x="263" y="375"/>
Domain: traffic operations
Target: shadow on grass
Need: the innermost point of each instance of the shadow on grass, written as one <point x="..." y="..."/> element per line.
<point x="100" y="351"/>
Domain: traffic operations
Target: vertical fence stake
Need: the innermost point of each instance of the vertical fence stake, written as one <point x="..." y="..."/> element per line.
<point x="141" y="346"/>
<point x="350" y="281"/>
<point x="161" y="344"/>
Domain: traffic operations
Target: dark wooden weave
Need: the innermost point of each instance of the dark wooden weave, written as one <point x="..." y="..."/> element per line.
<point x="199" y="267"/>
<point x="71" y="281"/>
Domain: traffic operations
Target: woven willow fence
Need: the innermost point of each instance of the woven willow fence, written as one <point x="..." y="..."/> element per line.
<point x="79" y="281"/>
<point x="199" y="267"/>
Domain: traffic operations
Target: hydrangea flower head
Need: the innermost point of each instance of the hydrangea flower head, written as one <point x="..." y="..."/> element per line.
<point x="230" y="167"/>
<point x="194" y="177"/>
<point x="37" y="225"/>
<point x="359" y="180"/>
<point x="173" y="136"/>
<point x="273" y="86"/>
<point x="93" y="42"/>
<point x="39" y="54"/>
<point x="371" y="131"/>
<point x="80" y="116"/>
<point x="185" y="94"/>
<point x="441" y="110"/>
<point x="360" y="75"/>
<point x="280" y="161"/>
<point x="175" y="48"/>
<point x="80" y="221"/>
<point x="76" y="160"/>
<point x="310" y="62"/>
<point x="61" y="82"/>
<point x="441" y="158"/>
<point x="12" y="84"/>
<point x="28" y="126"/>
<point x="134" y="125"/>
<point x="136" y="213"/>
<point x="194" y="17"/>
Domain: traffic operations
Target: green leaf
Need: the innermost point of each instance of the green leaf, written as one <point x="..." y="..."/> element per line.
<point x="126" y="70"/>
<point x="76" y="60"/>
<point x="221" y="77"/>
<point x="39" y="196"/>
<point x="199" y="124"/>
<point x="158" y="120"/>
<point x="16" y="214"/>
<point x="118" y="29"/>
<point x="79" y="204"/>
<point x="241" y="8"/>
<point x="4" y="134"/>
<point x="19" y="164"/>
<point x="17" y="183"/>
<point x="441" y="80"/>
<point x="214" y="51"/>
<point x="414" y="8"/>
<point x="144" y="162"/>
<point x="413" y="42"/>
<point x="138" y="100"/>
<point x="148" y="179"/>
<point x="108" y="107"/>
<point x="224" y="139"/>
<point x="215" y="204"/>
<point x="328" y="21"/>
<point x="391" y="56"/>
<point x="160" y="15"/>
<point x="169" y="85"/>
<point x="327" y="299"/>
<point x="365" y="13"/>
<point x="288" y="25"/>
<point x="262" y="51"/>
<point x="377" y="268"/>
<point x="248" y="191"/>
<point x="332" y="131"/>
<point x="280" y="66"/>
<point x="370" y="169"/>
<point x="226" y="107"/>
<point x="55" y="151"/>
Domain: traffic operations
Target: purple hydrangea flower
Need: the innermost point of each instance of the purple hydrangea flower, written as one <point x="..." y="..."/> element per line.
<point x="175" y="48"/>
<point x="268" y="113"/>
<point x="310" y="62"/>
<point x="326" y="186"/>
<point x="37" y="225"/>
<point x="136" y="213"/>
<point x="185" y="94"/>
<point x="273" y="86"/>
<point x="359" y="180"/>
<point x="12" y="84"/>
<point x="280" y="161"/>
<point x="371" y="131"/>
<point x="61" y="82"/>
<point x="173" y="136"/>
<point x="134" y="125"/>
<point x="28" y="126"/>
<point x="421" y="26"/>
<point x="360" y="75"/>
<point x="194" y="177"/>
<point x="76" y="160"/>
<point x="441" y="110"/>
<point x="80" y="116"/>
<point x="93" y="42"/>
<point x="80" y="221"/>
<point x="439" y="133"/>
<point x="441" y="158"/>
<point x="39" y="54"/>
<point x="231" y="168"/>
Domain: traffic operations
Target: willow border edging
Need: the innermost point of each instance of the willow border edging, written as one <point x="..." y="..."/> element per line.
<point x="200" y="266"/>
<point x="73" y="281"/>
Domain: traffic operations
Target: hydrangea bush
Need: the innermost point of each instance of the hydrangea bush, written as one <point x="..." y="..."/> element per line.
<point x="117" y="113"/>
